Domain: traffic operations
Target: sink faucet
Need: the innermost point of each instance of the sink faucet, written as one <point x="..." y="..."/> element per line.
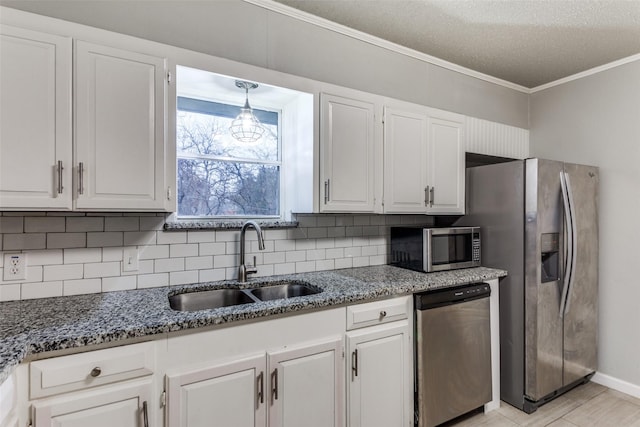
<point x="243" y="270"/>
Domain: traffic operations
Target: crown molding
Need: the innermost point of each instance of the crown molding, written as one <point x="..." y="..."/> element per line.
<point x="587" y="73"/>
<point x="385" y="44"/>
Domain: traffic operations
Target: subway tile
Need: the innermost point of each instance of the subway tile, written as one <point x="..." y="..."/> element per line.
<point x="287" y="268"/>
<point x="325" y="243"/>
<point x="82" y="286"/>
<point x="336" y="232"/>
<point x="344" y="263"/>
<point x="34" y="273"/>
<point x="297" y="234"/>
<point x="275" y="234"/>
<point x="326" y="221"/>
<point x="377" y="219"/>
<point x="334" y="253"/>
<point x="353" y="231"/>
<point x="325" y="264"/>
<point x="171" y="237"/>
<point x="233" y="247"/>
<point x="369" y="250"/>
<point x="353" y="251"/>
<point x="317" y="232"/>
<point x="139" y="238"/>
<point x="84" y="224"/>
<point x="183" y="277"/>
<point x="378" y="260"/>
<point x="230" y="236"/>
<point x="377" y="240"/>
<point x="231" y="273"/>
<point x="372" y="230"/>
<point x="112" y="254"/>
<point x="10" y="292"/>
<point x="44" y="224"/>
<point x="361" y="220"/>
<point x="274" y="257"/>
<point x="153" y="252"/>
<point x="121" y="224"/>
<point x="302" y="245"/>
<point x="24" y="241"/>
<point x="198" y="263"/>
<point x="296" y="256"/>
<point x="123" y="283"/>
<point x="41" y="290"/>
<point x="306" y="220"/>
<point x="360" y="241"/>
<point x="211" y="275"/>
<point x="201" y="236"/>
<point x="168" y="265"/>
<point x="101" y="269"/>
<point x="344" y="242"/>
<point x="305" y="266"/>
<point x="151" y="223"/>
<point x="63" y="272"/>
<point x="153" y="280"/>
<point x="82" y="255"/>
<point x="316" y="254"/>
<point x="45" y="257"/>
<point x="284" y="245"/>
<point x="11" y="224"/>
<point x="66" y="240"/>
<point x="183" y="250"/>
<point x="218" y="248"/>
<point x="361" y="261"/>
<point x="224" y="261"/>
<point x="344" y="221"/>
<point x="113" y="238"/>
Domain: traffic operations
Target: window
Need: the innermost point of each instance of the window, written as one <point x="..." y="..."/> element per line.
<point x="219" y="176"/>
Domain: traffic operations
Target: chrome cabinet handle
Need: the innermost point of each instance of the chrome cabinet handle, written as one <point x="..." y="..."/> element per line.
<point x="60" y="169"/>
<point x="260" y="387"/>
<point x="80" y="178"/>
<point x="145" y="414"/>
<point x="326" y="191"/>
<point x="426" y="196"/>
<point x="354" y="362"/>
<point x="431" y="196"/>
<point x="274" y="384"/>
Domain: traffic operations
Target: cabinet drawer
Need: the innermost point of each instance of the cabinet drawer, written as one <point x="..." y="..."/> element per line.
<point x="378" y="312"/>
<point x="84" y="370"/>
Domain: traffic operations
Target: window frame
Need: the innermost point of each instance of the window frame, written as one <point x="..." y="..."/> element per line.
<point x="278" y="163"/>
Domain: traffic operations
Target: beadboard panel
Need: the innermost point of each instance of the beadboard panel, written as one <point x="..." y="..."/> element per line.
<point x="496" y="139"/>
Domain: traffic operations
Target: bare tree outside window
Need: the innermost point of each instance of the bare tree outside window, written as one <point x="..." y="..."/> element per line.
<point x="221" y="177"/>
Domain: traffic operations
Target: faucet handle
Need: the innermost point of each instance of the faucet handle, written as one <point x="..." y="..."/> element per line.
<point x="251" y="269"/>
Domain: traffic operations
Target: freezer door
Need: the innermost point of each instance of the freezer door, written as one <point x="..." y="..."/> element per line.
<point x="544" y="271"/>
<point x="581" y="312"/>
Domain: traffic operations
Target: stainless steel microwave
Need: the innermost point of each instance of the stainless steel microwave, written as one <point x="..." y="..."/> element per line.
<point x="435" y="249"/>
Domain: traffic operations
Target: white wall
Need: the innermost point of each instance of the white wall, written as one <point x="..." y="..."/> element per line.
<point x="596" y="120"/>
<point x="250" y="34"/>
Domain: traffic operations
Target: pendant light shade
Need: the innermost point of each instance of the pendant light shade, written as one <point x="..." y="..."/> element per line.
<point x="246" y="127"/>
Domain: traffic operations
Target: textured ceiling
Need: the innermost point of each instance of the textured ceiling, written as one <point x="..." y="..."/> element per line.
<point x="527" y="42"/>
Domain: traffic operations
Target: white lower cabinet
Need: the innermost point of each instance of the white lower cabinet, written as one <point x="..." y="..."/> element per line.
<point x="122" y="405"/>
<point x="379" y="370"/>
<point x="225" y="394"/>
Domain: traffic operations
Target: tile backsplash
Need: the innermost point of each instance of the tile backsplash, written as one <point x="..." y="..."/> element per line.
<point x="76" y="253"/>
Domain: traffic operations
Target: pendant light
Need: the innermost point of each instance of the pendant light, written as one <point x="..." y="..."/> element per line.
<point x="246" y="127"/>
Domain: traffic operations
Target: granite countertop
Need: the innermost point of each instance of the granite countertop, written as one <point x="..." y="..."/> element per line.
<point x="31" y="327"/>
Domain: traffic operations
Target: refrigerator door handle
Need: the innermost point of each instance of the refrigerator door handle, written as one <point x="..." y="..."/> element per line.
<point x="572" y="242"/>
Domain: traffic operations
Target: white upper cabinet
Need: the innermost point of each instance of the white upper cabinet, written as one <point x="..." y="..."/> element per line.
<point x="35" y="120"/>
<point x="120" y="137"/>
<point x="347" y="159"/>
<point x="424" y="160"/>
<point x="405" y="160"/>
<point x="445" y="162"/>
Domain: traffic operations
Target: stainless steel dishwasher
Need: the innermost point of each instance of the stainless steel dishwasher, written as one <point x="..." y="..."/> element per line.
<point x="453" y="352"/>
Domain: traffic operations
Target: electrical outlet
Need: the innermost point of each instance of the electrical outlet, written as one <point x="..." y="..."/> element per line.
<point x="130" y="259"/>
<point x="15" y="266"/>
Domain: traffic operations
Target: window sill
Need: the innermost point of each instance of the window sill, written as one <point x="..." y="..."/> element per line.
<point x="224" y="224"/>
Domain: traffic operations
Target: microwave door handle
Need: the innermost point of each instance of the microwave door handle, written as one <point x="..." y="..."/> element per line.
<point x="570" y="244"/>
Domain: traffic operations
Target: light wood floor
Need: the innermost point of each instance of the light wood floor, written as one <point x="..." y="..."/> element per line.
<point x="589" y="405"/>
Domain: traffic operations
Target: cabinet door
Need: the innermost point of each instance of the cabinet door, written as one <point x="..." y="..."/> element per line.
<point x="120" y="130"/>
<point x="228" y="394"/>
<point x="122" y="406"/>
<point x="347" y="155"/>
<point x="379" y="376"/>
<point x="35" y="120"/>
<point x="405" y="161"/>
<point x="306" y="386"/>
<point x="446" y="163"/>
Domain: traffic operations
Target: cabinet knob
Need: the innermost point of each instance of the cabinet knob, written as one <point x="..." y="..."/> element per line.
<point x="383" y="314"/>
<point x="95" y="372"/>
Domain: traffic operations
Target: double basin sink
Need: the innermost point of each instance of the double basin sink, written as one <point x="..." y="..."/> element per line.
<point x="217" y="298"/>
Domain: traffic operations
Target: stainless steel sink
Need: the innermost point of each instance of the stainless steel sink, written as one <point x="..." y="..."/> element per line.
<point x="284" y="290"/>
<point x="217" y="298"/>
<point x="203" y="300"/>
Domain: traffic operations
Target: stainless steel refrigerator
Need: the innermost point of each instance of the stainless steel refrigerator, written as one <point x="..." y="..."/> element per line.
<point x="539" y="222"/>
